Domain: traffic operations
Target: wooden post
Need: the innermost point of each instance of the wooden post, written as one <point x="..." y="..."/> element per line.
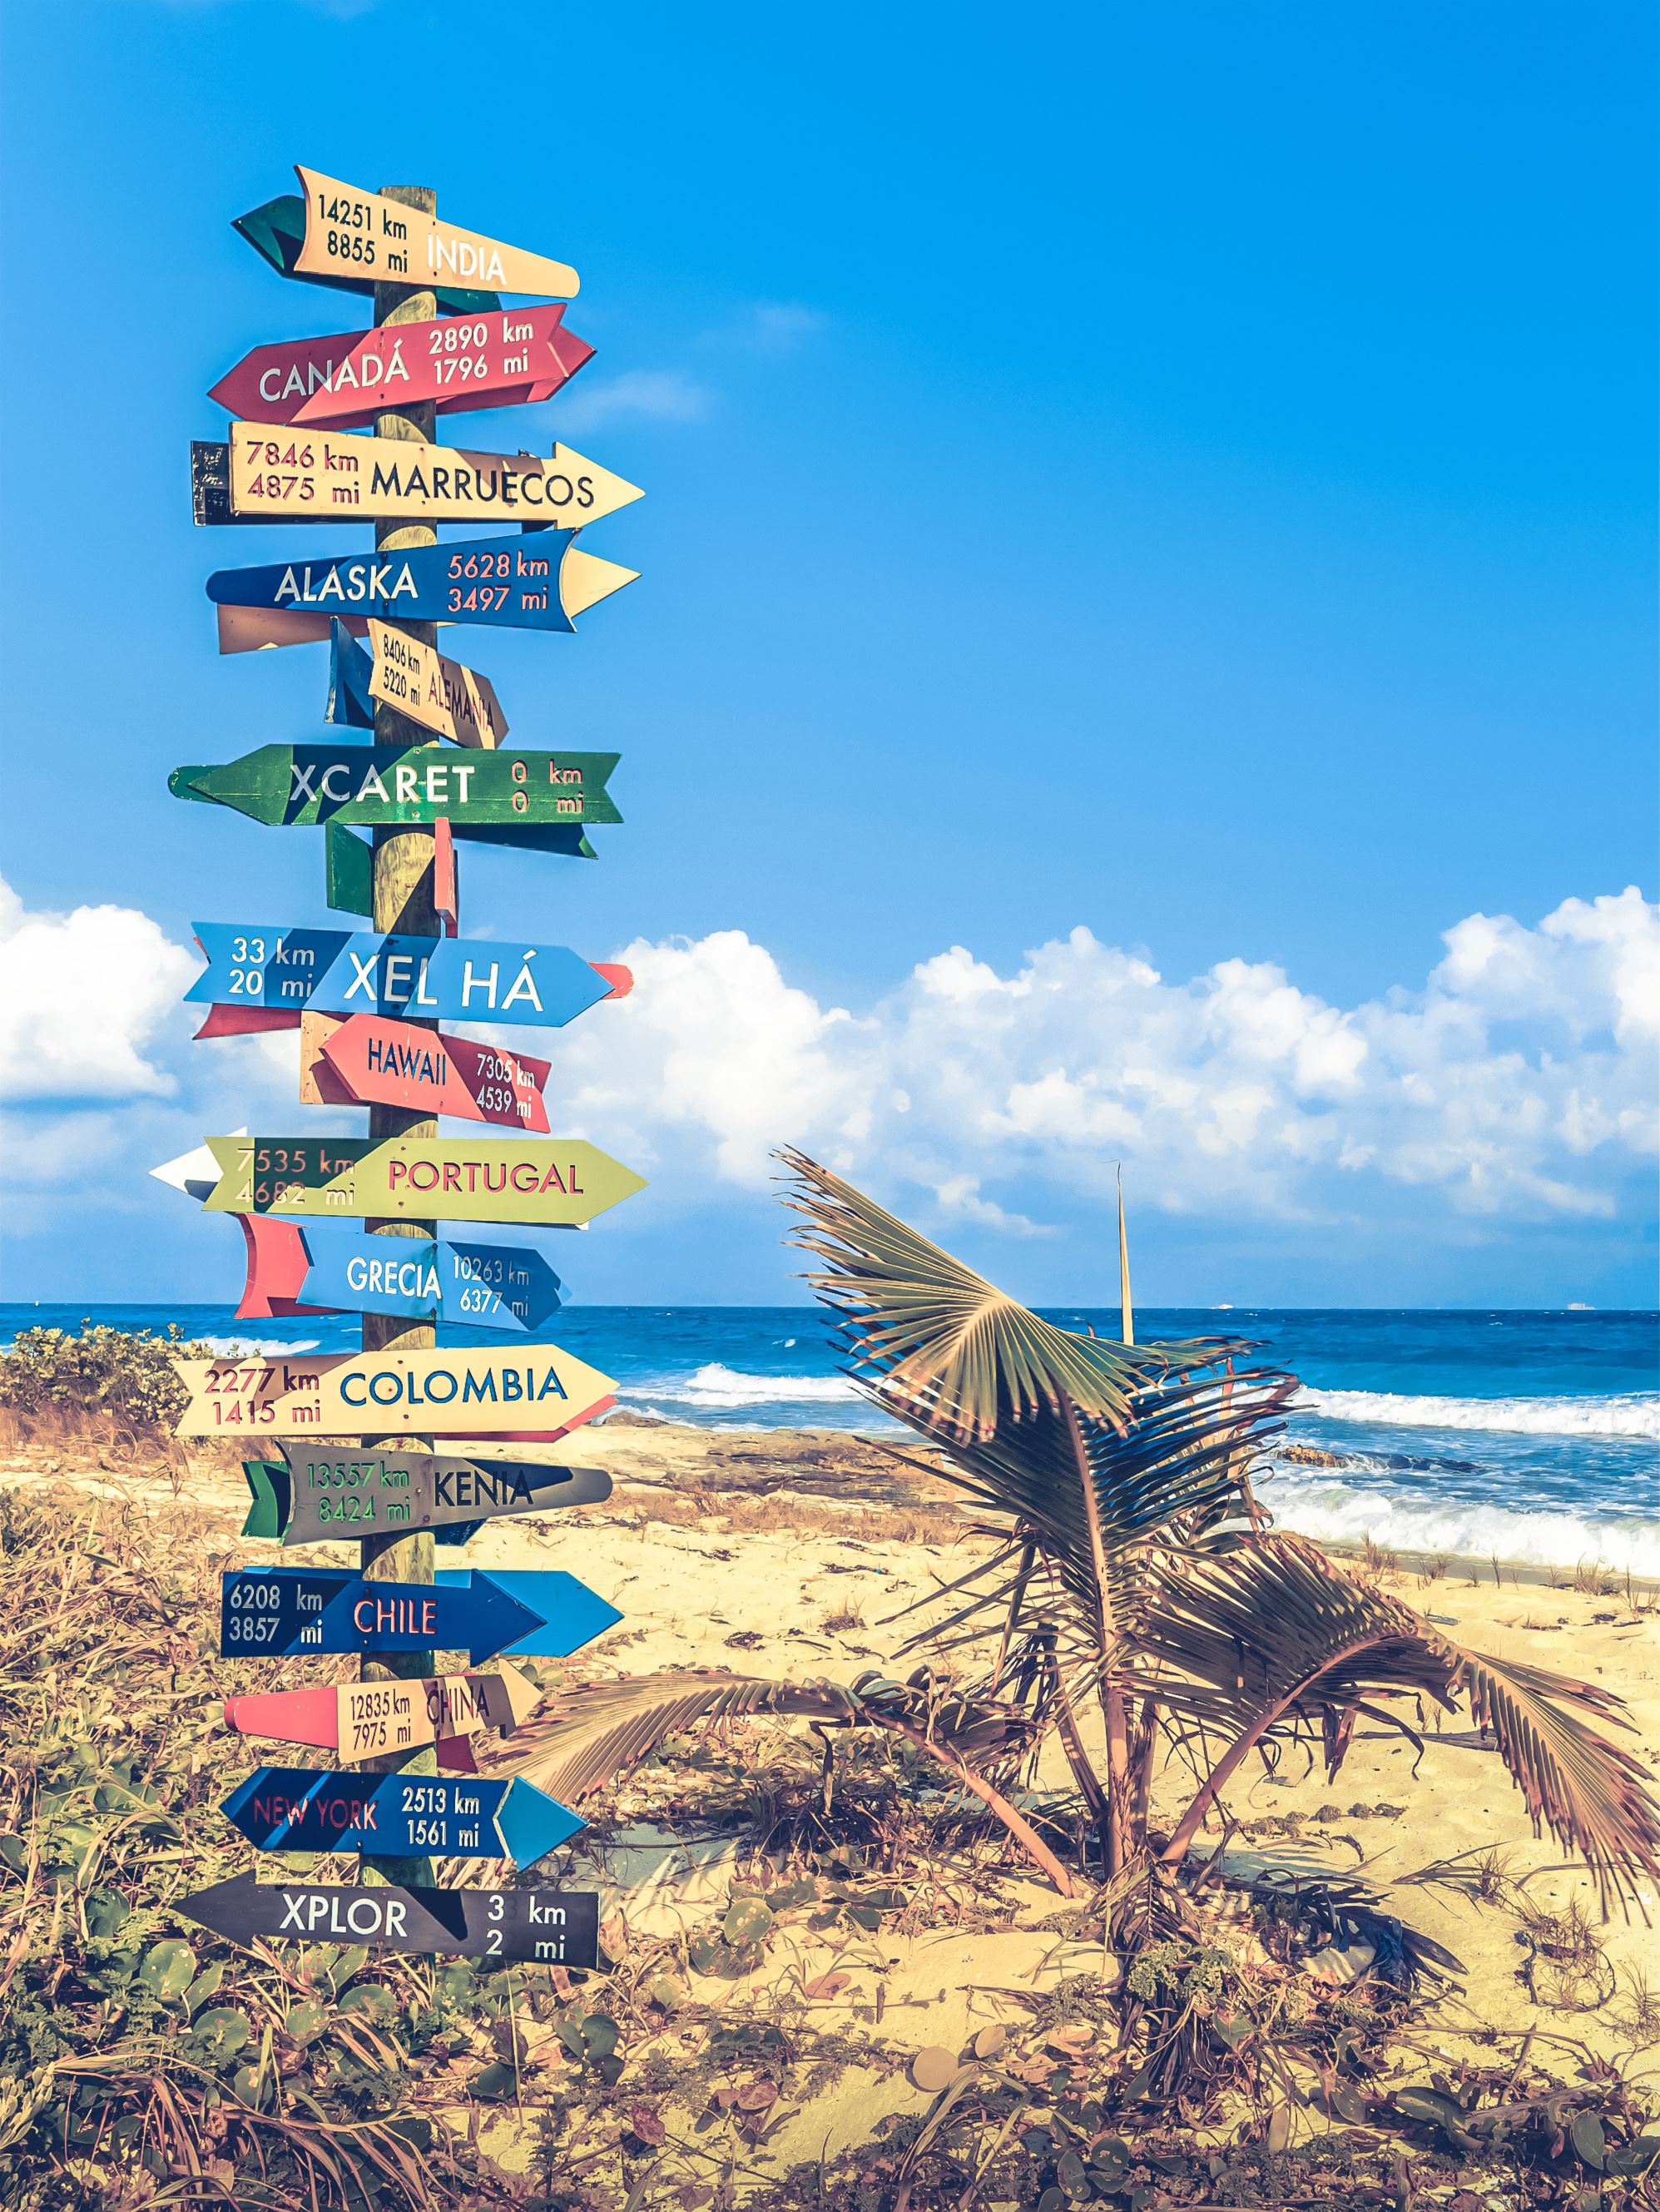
<point x="403" y="879"/>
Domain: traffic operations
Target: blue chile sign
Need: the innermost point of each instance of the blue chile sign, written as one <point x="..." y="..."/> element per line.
<point x="280" y="1610"/>
<point x="282" y="1808"/>
<point x="538" y="1614"/>
<point x="272" y="965"/>
<point x="571" y="1613"/>
<point x="507" y="582"/>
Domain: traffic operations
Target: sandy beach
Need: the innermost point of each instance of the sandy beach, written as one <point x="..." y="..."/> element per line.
<point x="789" y="1555"/>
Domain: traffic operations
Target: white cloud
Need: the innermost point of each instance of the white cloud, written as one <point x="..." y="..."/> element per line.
<point x="84" y="996"/>
<point x="659" y="395"/>
<point x="1516" y="1081"/>
<point x="770" y="327"/>
<point x="1514" y="1084"/>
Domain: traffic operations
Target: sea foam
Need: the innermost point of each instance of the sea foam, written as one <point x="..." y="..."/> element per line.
<point x="715" y="1385"/>
<point x="253" y="1347"/>
<point x="1345" y="1512"/>
<point x="1634" y="1413"/>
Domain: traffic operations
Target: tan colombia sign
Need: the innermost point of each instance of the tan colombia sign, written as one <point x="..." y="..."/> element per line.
<point x="499" y="1390"/>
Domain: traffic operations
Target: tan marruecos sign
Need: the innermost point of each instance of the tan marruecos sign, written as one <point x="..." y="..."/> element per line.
<point x="352" y="232"/>
<point x="336" y="474"/>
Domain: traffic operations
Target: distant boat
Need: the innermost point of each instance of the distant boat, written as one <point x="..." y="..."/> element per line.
<point x="1226" y="1307"/>
<point x="1577" y="1308"/>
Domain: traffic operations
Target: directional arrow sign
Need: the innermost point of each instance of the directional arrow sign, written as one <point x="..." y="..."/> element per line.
<point x="315" y="1269"/>
<point x="554" y="1927"/>
<point x="557" y="1182"/>
<point x="300" y="785"/>
<point x="399" y="1815"/>
<point x="584" y="580"/>
<point x="279" y="1610"/>
<point x="298" y="474"/>
<point x="505" y="359"/>
<point x="440" y="694"/>
<point x="362" y="1720"/>
<point x="277" y="231"/>
<point x="354" y="233"/>
<point x="305" y="1497"/>
<point x="571" y="1614"/>
<point x="277" y="970"/>
<point x="363" y="1060"/>
<point x="534" y="1394"/>
<point x="534" y="582"/>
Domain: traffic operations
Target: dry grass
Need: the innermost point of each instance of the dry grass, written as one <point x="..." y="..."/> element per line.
<point x="742" y="1514"/>
<point x="1378" y="1561"/>
<point x="94" y="1438"/>
<point x="844" y="1618"/>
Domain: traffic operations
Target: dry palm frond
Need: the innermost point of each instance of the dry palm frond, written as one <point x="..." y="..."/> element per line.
<point x="1091" y="1497"/>
<point x="1271" y="1634"/>
<point x="939" y="1344"/>
<point x="589" y="1735"/>
<point x="1590" y="1793"/>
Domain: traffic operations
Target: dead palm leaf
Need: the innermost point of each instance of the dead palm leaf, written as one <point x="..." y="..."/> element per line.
<point x="1590" y="1793"/>
<point x="586" y="1737"/>
<point x="1271" y="1635"/>
<point x="600" y="1730"/>
<point x="931" y="1337"/>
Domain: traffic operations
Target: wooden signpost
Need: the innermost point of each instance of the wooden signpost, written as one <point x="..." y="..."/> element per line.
<point x="307" y="1497"/>
<point x="466" y="1284"/>
<point x="288" y="1808"/>
<point x="421" y="684"/>
<point x="301" y="786"/>
<point x="346" y="1441"/>
<point x="274" y="968"/>
<point x="561" y="1183"/>
<point x="509" y="1927"/>
<point x="538" y="582"/>
<point x="360" y="1060"/>
<point x="507" y="358"/>
<point x="535" y="1393"/>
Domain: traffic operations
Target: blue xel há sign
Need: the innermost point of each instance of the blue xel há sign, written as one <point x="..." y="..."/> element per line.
<point x="303" y="1809"/>
<point x="353" y="972"/>
<point x="541" y="1614"/>
<point x="467" y="1285"/>
<point x="507" y="582"/>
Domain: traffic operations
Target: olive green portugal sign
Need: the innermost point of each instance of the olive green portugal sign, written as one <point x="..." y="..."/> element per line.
<point x="563" y="1182"/>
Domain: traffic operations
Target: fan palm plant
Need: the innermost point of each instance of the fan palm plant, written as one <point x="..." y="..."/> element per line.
<point x="1136" y="1598"/>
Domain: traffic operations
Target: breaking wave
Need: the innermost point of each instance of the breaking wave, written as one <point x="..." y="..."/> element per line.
<point x="1634" y="1414"/>
<point x="1345" y="1512"/>
<point x="714" y="1386"/>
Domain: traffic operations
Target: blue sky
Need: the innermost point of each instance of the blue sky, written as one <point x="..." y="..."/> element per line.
<point x="1179" y="474"/>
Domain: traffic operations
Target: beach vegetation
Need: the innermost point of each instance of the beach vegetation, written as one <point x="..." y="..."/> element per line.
<point x="1138" y="1607"/>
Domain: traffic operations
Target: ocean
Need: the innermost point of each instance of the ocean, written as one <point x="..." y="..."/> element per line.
<point x="1533" y="1435"/>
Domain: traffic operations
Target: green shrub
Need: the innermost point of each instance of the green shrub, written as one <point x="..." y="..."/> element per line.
<point x="126" y="1374"/>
